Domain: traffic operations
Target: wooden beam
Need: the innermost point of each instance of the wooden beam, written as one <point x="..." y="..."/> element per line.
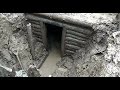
<point x="35" y="18"/>
<point x="119" y="21"/>
<point x="76" y="37"/>
<point x="69" y="52"/>
<point x="35" y="26"/>
<point x="76" y="44"/>
<point x="37" y="33"/>
<point x="59" y="18"/>
<point x="72" y="47"/>
<point x="30" y="39"/>
<point x="77" y="34"/>
<point x="75" y="40"/>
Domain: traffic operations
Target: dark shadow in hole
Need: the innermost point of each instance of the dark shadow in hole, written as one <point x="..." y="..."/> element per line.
<point x="100" y="53"/>
<point x="54" y="35"/>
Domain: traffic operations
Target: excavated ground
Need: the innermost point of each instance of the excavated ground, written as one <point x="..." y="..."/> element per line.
<point x="54" y="35"/>
<point x="100" y="59"/>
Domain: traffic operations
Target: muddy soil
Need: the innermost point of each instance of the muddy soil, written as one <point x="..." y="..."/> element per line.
<point x="14" y="46"/>
<point x="97" y="59"/>
<point x="100" y="58"/>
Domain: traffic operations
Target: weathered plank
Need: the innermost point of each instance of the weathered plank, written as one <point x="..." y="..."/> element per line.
<point x="76" y="37"/>
<point x="36" y="32"/>
<point x="72" y="47"/>
<point x="36" y="29"/>
<point x="77" y="34"/>
<point x="36" y="26"/>
<point x="44" y="34"/>
<point x="75" y="40"/>
<point x="76" y="44"/>
<point x="33" y="21"/>
<point x="29" y="30"/>
<point x="38" y="39"/>
<point x="69" y="52"/>
<point x="61" y="19"/>
<point x="63" y="41"/>
<point x="37" y="36"/>
<point x="32" y="17"/>
<point x="80" y="30"/>
<point x="36" y="18"/>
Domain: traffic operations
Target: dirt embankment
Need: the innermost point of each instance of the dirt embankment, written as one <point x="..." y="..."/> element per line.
<point x="100" y="58"/>
<point x="14" y="48"/>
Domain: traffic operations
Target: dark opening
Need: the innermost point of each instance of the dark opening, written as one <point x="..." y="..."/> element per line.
<point x="54" y="36"/>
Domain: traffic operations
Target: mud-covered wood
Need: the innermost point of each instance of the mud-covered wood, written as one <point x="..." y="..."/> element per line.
<point x="33" y="21"/>
<point x="44" y="34"/>
<point x="80" y="30"/>
<point x="30" y="39"/>
<point x="37" y="36"/>
<point x="69" y="52"/>
<point x="76" y="37"/>
<point x="36" y="29"/>
<point x="75" y="40"/>
<point x="37" y="18"/>
<point x="77" y="34"/>
<point x="72" y="47"/>
<point x="76" y="44"/>
<point x="38" y="39"/>
<point x="33" y="17"/>
<point x="59" y="18"/>
<point x="37" y="33"/>
<point x="35" y="26"/>
<point x="63" y="40"/>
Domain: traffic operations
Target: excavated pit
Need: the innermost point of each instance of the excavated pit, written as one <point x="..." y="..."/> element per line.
<point x="54" y="35"/>
<point x="100" y="58"/>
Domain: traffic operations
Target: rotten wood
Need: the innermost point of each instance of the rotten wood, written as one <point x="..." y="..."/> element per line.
<point x="30" y="39"/>
<point x="33" y="21"/>
<point x="37" y="33"/>
<point x="36" y="36"/>
<point x="77" y="34"/>
<point x="6" y="68"/>
<point x="35" y="18"/>
<point x="76" y="37"/>
<point x="69" y="52"/>
<point x="74" y="43"/>
<point x="119" y="21"/>
<point x="33" y="72"/>
<point x="61" y="19"/>
<point x="42" y="61"/>
<point x="38" y="39"/>
<point x="36" y="29"/>
<point x="73" y="47"/>
<point x="32" y="17"/>
<point x="63" y="41"/>
<point x="44" y="34"/>
<point x="75" y="40"/>
<point x="35" y="26"/>
<point x="80" y="30"/>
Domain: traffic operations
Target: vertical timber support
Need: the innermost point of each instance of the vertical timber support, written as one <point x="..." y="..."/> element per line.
<point x="44" y="34"/>
<point x="119" y="21"/>
<point x="30" y="39"/>
<point x="63" y="41"/>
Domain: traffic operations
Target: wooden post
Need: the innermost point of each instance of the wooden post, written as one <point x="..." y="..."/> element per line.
<point x="119" y="21"/>
<point x="63" y="41"/>
<point x="30" y="39"/>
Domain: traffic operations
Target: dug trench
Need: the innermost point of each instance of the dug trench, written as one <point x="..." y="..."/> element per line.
<point x="54" y="35"/>
<point x="100" y="49"/>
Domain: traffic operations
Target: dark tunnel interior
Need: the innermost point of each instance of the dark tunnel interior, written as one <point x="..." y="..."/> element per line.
<point x="54" y="36"/>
